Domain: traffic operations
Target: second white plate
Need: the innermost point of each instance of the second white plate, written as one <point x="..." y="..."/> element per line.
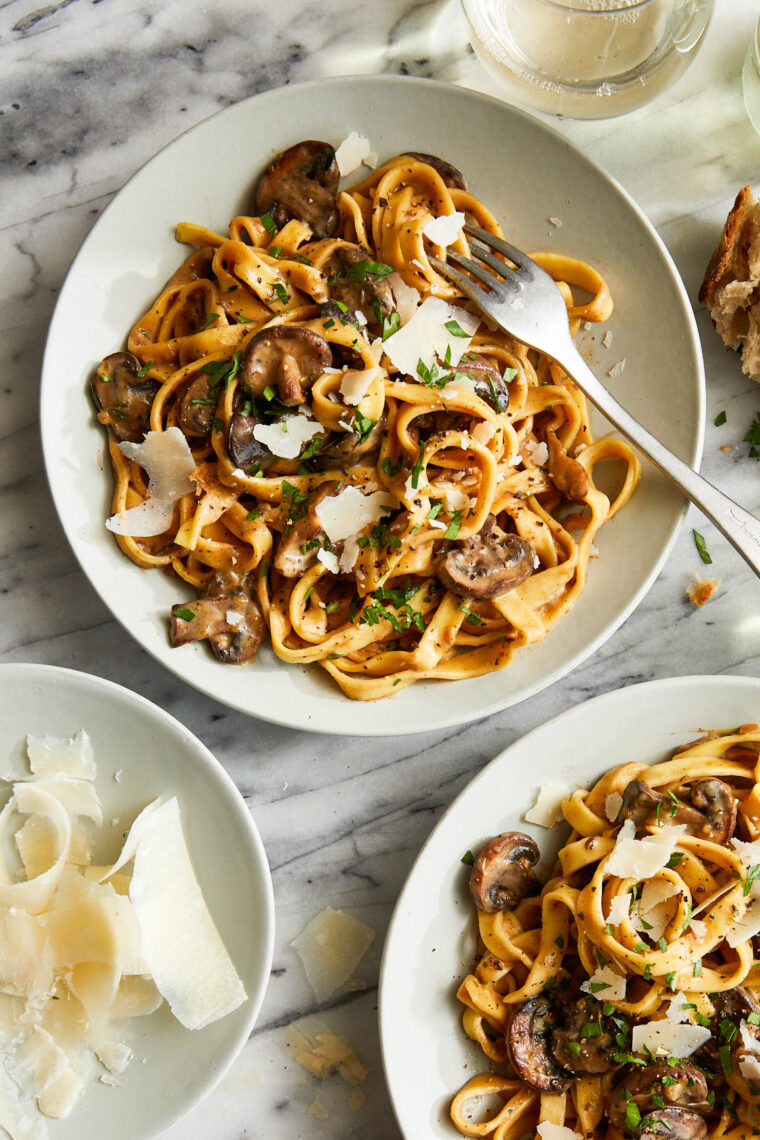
<point x="526" y="173"/>
<point x="431" y="940"/>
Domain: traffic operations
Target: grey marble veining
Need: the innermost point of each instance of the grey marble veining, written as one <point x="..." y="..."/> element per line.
<point x="89" y="89"/>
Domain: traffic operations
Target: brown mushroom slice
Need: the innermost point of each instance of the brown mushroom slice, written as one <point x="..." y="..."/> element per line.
<point x="736" y="1004"/>
<point x="490" y="385"/>
<point x="680" y="1087"/>
<point x="716" y="802"/>
<point x="351" y="284"/>
<point x="568" y="475"/>
<point x="346" y="448"/>
<point x="584" y="1052"/>
<point x="233" y="641"/>
<point x="298" y="546"/>
<point x="528" y="1039"/>
<point x="197" y="408"/>
<point x="247" y="452"/>
<point x="286" y="358"/>
<point x="123" y="399"/>
<point x="502" y="874"/>
<point x="487" y="564"/>
<point x="301" y="182"/>
<point x="673" y="1123"/>
<point x="452" y="177"/>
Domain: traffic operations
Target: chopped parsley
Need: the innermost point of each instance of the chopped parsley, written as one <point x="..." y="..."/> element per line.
<point x="297" y="508"/>
<point x="210" y="320"/>
<point x="363" y="425"/>
<point x="662" y="944"/>
<point x="753" y="1019"/>
<point x="468" y="858"/>
<point x="591" y="1029"/>
<point x="670" y="981"/>
<point x="219" y="371"/>
<point x="574" y="1047"/>
<point x="724" y="1056"/>
<point x="267" y="222"/>
<point x="279" y="293"/>
<point x="452" y="530"/>
<point x="184" y="613"/>
<point x="752" y="874"/>
<point x="753" y="438"/>
<point x="417" y="468"/>
<point x="361" y="270"/>
<point x="697" y="971"/>
<point x="391" y="466"/>
<point x="391" y="325"/>
<point x="141" y="371"/>
<point x="674" y="859"/>
<point x="702" y="1019"/>
<point x="701" y="546"/>
<point x="254" y="514"/>
<point x="720" y="419"/>
<point x="456" y="329"/>
<point x="275" y="251"/>
<point x="241" y="320"/>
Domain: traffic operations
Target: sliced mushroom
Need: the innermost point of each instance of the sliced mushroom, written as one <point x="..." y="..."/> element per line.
<point x="711" y="813"/>
<point x="299" y="545"/>
<point x="123" y="399"/>
<point x="488" y="564"/>
<point x="679" y="1089"/>
<point x="344" y="448"/>
<point x="228" y="616"/>
<point x="568" y="475"/>
<point x="247" y="452"/>
<point x="351" y="284"/>
<point x="285" y="357"/>
<point x="301" y="182"/>
<point x="197" y="407"/>
<point x="450" y="175"/>
<point x="736" y="1004"/>
<point x="673" y="1123"/>
<point x="502" y="874"/>
<point x="716" y="802"/>
<point x="192" y="317"/>
<point x="528" y="1040"/>
<point x="490" y="385"/>
<point x="581" y="1050"/>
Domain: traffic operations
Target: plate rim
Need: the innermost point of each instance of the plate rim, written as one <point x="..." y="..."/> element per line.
<point x="718" y="681"/>
<point x="330" y="722"/>
<point x="266" y="919"/>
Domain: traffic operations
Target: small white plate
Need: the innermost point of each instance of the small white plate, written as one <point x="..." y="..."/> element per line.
<point x="154" y="755"/>
<point x="526" y="173"/>
<point x="431" y="940"/>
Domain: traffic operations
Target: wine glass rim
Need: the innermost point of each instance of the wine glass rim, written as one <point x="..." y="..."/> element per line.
<point x="611" y="7"/>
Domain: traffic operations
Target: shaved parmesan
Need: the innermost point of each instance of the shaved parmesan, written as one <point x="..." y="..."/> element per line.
<point x="330" y="560"/>
<point x="537" y="452"/>
<point x="286" y="437"/>
<point x="483" y="432"/>
<point x="407" y="298"/>
<point x="445" y="230"/>
<point x="548" y="1131"/>
<point x="456" y="500"/>
<point x="678" y="1010"/>
<point x="605" y="985"/>
<point x="699" y="928"/>
<point x="331" y="947"/>
<point x="547" y="810"/>
<point x="348" y="513"/>
<point x="352" y="152"/>
<point x="620" y="908"/>
<point x="49" y="756"/>
<point x="180" y="943"/>
<point x="349" y="556"/>
<point x="354" y="385"/>
<point x="749" y="1067"/>
<point x="676" y="1040"/>
<point x="612" y="805"/>
<point x="168" y="461"/>
<point x="740" y="930"/>
<point x="642" y="858"/>
<point x="425" y="336"/>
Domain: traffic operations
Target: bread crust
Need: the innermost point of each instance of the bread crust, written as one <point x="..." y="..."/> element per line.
<point x="719" y="266"/>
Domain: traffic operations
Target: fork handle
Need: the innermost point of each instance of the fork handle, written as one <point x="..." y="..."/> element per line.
<point x="740" y="527"/>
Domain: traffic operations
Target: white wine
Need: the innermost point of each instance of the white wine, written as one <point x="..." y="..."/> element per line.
<point x="588" y="59"/>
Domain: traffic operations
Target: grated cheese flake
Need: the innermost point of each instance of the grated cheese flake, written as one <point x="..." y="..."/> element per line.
<point x="330" y="948"/>
<point x="620" y="908"/>
<point x="407" y="298"/>
<point x="612" y="805"/>
<point x="642" y="858"/>
<point x="677" y="1040"/>
<point x="547" y="810"/>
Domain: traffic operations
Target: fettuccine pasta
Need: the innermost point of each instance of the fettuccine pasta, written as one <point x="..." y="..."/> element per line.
<point x="343" y="454"/>
<point x="622" y="999"/>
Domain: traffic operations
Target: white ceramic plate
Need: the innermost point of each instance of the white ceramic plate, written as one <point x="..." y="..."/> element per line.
<point x="430" y="944"/>
<point x="157" y="756"/>
<point x="526" y="173"/>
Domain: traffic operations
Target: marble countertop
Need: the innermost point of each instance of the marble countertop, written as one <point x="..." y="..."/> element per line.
<point x="89" y="89"/>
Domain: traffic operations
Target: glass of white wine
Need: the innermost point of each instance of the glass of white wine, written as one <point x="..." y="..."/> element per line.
<point x="588" y="59"/>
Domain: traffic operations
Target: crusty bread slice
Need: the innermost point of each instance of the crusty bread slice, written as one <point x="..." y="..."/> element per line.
<point x="731" y="285"/>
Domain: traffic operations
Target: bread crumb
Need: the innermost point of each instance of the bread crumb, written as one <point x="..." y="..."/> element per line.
<point x="316" y="1108"/>
<point x="725" y="447"/>
<point x="701" y="590"/>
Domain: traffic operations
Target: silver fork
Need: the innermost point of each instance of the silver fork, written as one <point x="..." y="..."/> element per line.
<point x="524" y="301"/>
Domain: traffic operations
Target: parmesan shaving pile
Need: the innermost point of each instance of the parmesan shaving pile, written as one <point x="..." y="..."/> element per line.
<point x="84" y="948"/>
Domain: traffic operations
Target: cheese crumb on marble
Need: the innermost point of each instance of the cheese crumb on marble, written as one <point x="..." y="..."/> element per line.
<point x="330" y="948"/>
